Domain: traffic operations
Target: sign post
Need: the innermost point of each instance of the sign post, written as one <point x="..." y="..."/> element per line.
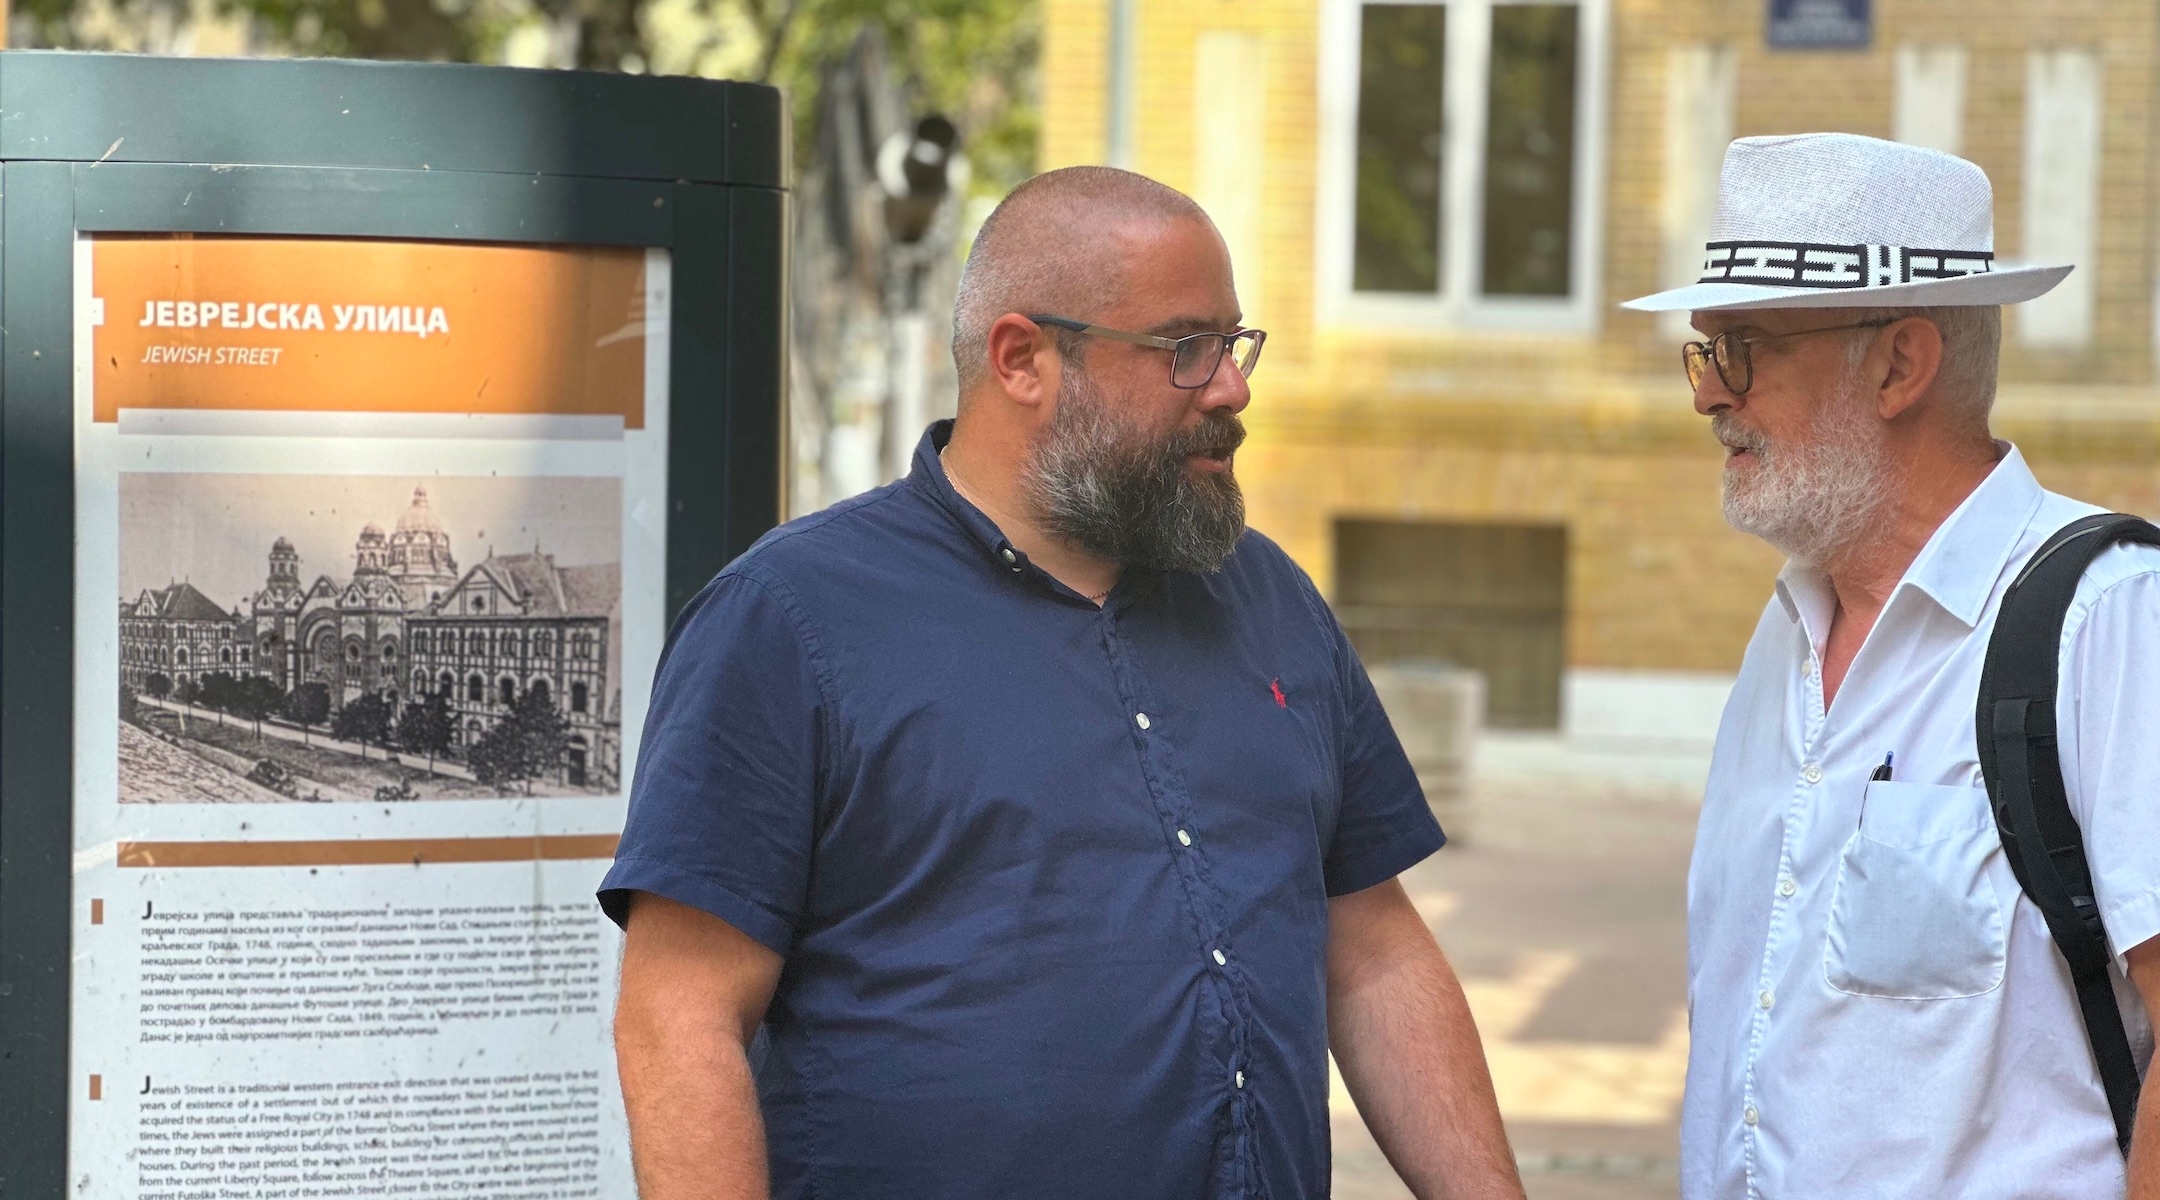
<point x="364" y="426"/>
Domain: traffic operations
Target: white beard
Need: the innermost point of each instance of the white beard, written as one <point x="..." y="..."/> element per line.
<point x="1817" y="498"/>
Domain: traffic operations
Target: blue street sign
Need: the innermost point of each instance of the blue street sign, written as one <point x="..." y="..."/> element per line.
<point x="1819" y="24"/>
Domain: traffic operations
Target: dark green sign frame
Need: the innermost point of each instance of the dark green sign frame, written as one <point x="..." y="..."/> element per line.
<point x="108" y="143"/>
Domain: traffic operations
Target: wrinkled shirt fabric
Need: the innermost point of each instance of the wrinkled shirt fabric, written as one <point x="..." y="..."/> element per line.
<point x="1876" y="1008"/>
<point x="1050" y="880"/>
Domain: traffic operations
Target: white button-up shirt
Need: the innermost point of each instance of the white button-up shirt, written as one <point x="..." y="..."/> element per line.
<point x="1877" y="1010"/>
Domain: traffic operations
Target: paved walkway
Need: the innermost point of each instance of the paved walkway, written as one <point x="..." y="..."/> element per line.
<point x="1563" y="908"/>
<point x="310" y="737"/>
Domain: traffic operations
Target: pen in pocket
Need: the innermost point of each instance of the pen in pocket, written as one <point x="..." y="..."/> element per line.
<point x="1882" y="773"/>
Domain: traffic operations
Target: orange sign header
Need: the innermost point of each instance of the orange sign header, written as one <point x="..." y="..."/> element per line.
<point x="348" y="325"/>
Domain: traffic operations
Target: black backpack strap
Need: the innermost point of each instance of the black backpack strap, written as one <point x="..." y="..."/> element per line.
<point x="2018" y="758"/>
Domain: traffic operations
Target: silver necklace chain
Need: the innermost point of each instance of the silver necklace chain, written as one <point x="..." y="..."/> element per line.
<point x="967" y="494"/>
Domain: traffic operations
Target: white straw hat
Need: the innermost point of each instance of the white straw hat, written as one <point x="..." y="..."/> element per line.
<point x="1835" y="220"/>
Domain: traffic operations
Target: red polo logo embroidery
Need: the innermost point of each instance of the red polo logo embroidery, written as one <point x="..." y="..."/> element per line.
<point x="1275" y="686"/>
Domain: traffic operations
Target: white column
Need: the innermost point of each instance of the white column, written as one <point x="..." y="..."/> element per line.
<point x="1118" y="116"/>
<point x="1230" y="73"/>
<point x="1700" y="83"/>
<point x="2062" y="193"/>
<point x="1930" y="104"/>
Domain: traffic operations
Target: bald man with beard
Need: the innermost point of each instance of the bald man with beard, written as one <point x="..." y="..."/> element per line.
<point x="1027" y="827"/>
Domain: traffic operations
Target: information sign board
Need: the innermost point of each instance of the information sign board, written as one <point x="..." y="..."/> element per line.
<point x="1820" y="24"/>
<point x="370" y="555"/>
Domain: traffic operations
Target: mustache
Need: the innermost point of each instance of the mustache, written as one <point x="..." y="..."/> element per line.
<point x="1218" y="436"/>
<point x="1736" y="436"/>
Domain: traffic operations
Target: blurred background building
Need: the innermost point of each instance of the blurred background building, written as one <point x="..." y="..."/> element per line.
<point x="1434" y="209"/>
<point x="1495" y="474"/>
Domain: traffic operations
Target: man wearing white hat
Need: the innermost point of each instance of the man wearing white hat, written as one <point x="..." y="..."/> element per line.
<point x="1877" y="1007"/>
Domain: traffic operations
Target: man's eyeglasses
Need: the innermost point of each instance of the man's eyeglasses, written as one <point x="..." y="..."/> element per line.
<point x="1194" y="359"/>
<point x="1735" y="366"/>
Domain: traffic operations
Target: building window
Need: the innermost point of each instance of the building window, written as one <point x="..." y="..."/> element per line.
<point x="1488" y="597"/>
<point x="475" y="689"/>
<point x="180" y="655"/>
<point x="541" y="689"/>
<point x="419" y="641"/>
<point x="448" y="684"/>
<point x="1459" y="176"/>
<point x="579" y="697"/>
<point x="506" y="691"/>
<point x="1530" y="150"/>
<point x="225" y="655"/>
<point x="1402" y="56"/>
<point x="543" y="644"/>
<point x="581" y="646"/>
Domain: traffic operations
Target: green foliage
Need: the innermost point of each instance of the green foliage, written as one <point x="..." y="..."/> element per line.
<point x="973" y="60"/>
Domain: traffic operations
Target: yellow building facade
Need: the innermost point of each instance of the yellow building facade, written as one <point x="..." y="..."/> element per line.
<point x="1435" y="208"/>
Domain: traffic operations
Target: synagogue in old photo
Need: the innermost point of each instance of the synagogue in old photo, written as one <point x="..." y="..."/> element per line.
<point x="407" y="624"/>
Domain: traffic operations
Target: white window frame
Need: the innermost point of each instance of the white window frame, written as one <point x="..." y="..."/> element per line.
<point x="1457" y="304"/>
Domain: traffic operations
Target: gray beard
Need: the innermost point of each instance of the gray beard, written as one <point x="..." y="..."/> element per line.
<point x="1127" y="498"/>
<point x="1815" y="500"/>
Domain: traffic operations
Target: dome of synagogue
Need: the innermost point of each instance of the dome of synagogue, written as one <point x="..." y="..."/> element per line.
<point x="420" y="518"/>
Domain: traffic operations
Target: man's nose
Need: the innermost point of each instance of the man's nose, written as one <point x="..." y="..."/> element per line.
<point x="1229" y="389"/>
<point x="1712" y="396"/>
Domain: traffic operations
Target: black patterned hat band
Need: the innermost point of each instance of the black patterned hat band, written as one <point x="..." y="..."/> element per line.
<point x="1826" y="220"/>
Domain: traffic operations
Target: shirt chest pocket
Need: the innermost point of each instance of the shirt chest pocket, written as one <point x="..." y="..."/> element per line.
<point x="1917" y="914"/>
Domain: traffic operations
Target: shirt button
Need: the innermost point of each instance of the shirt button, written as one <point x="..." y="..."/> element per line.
<point x="1008" y="556"/>
<point x="1766" y="999"/>
<point x="1241" y="1079"/>
<point x="1750" y="1115"/>
<point x="1786" y="886"/>
<point x="1220" y="960"/>
<point x="1811" y="773"/>
<point x="1808" y="668"/>
<point x="1142" y="720"/>
<point x="1184" y="838"/>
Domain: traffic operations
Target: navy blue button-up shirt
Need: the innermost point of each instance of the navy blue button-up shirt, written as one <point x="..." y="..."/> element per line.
<point x="1050" y="880"/>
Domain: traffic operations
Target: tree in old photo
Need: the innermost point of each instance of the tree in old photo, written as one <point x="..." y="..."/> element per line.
<point x="308" y="705"/>
<point x="527" y="744"/>
<point x="426" y="727"/>
<point x="364" y="719"/>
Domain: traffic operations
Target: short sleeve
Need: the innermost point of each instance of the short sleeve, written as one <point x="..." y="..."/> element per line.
<point x="722" y="810"/>
<point x="1384" y="826"/>
<point x="2110" y="707"/>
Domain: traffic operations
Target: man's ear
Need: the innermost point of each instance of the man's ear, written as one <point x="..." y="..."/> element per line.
<point x="1912" y="355"/>
<point x="1023" y="360"/>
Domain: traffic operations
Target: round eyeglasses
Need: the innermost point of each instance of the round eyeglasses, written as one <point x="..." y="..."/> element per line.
<point x="1728" y="352"/>
<point x="1194" y="358"/>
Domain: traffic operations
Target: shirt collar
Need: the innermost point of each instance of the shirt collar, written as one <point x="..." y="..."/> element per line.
<point x="1962" y="561"/>
<point x="928" y="476"/>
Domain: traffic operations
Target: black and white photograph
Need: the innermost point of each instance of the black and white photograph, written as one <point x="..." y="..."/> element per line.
<point x="322" y="638"/>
